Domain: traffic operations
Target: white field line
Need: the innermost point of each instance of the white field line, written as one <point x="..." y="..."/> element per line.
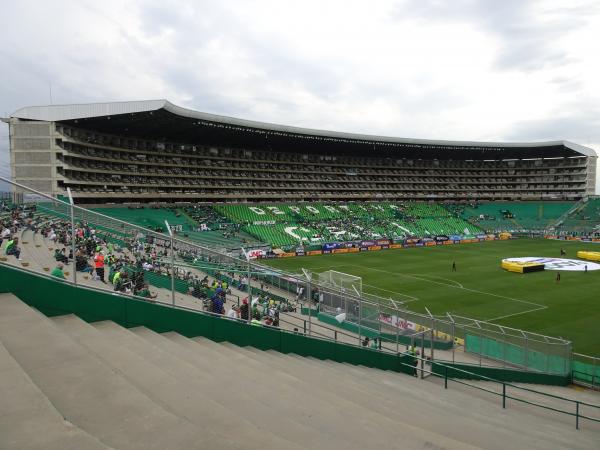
<point x="441" y="278"/>
<point x="517" y="313"/>
<point x="537" y="305"/>
<point x="410" y="297"/>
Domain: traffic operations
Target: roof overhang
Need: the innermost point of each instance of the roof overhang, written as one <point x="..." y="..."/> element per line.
<point x="58" y="113"/>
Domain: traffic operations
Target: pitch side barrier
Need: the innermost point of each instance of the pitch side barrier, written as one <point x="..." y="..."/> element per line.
<point x="333" y="248"/>
<point x="176" y="282"/>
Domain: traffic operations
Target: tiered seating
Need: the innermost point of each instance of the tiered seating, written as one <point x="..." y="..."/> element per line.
<point x="584" y="219"/>
<point x="517" y="216"/>
<point x="289" y="224"/>
<point x="152" y="218"/>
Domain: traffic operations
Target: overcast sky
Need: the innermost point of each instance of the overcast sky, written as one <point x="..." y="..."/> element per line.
<point x="508" y="70"/>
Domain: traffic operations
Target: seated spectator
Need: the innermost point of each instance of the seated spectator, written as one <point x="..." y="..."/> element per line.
<point x="81" y="263"/>
<point x="59" y="255"/>
<point x="12" y="248"/>
<point x="58" y="271"/>
<point x="234" y="312"/>
<point x="145" y="292"/>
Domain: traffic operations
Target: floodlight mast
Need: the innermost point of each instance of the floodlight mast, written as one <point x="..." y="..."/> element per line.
<point x="172" y="263"/>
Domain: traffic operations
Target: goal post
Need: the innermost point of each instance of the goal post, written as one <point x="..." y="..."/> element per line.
<point x="344" y="282"/>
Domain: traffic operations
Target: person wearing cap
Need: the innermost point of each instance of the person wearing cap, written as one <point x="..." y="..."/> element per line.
<point x="244" y="309"/>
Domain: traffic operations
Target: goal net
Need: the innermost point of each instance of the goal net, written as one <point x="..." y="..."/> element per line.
<point x="340" y="281"/>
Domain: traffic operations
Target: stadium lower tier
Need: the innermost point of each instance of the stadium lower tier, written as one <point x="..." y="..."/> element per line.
<point x="290" y="224"/>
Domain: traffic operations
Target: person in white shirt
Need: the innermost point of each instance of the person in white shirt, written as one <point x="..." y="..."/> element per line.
<point x="233" y="312"/>
<point x="6" y="233"/>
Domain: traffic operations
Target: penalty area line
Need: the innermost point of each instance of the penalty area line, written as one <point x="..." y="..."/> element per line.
<point x="439" y="278"/>
<point x="409" y="297"/>
<point x="542" y="307"/>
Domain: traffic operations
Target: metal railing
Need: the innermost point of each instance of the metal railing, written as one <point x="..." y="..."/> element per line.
<point x="577" y="404"/>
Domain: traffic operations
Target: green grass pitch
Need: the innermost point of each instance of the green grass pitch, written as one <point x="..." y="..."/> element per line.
<point x="480" y="288"/>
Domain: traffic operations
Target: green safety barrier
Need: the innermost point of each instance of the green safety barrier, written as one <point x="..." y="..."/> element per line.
<point x="473" y="372"/>
<point x="53" y="297"/>
<point x="366" y="330"/>
<point x="587" y="373"/>
<point x="515" y="354"/>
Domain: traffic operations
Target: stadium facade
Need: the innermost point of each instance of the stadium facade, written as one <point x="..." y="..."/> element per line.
<point x="155" y="151"/>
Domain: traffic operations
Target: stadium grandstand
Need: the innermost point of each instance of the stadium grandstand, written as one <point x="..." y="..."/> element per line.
<point x="155" y="151"/>
<point x="136" y="311"/>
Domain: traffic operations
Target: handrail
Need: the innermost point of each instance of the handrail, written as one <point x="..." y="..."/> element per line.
<point x="505" y="396"/>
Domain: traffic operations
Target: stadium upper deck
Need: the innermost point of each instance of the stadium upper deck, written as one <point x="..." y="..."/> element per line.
<point x="155" y="151"/>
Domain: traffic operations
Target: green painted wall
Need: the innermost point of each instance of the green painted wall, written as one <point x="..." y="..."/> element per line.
<point x="498" y="373"/>
<point x="53" y="297"/>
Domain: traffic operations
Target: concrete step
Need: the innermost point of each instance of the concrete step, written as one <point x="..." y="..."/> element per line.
<point x="178" y="365"/>
<point x="87" y="392"/>
<point x="253" y="397"/>
<point x="29" y="420"/>
<point x="173" y="395"/>
<point x="313" y="395"/>
<point x="434" y="407"/>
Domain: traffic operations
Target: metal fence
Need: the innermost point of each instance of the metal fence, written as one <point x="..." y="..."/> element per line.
<point x="166" y="268"/>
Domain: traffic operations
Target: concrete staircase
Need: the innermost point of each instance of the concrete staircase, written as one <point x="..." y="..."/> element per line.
<point x="67" y="384"/>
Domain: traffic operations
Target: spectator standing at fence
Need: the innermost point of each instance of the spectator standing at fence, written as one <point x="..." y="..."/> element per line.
<point x="99" y="265"/>
<point x="217" y="304"/>
<point x="244" y="309"/>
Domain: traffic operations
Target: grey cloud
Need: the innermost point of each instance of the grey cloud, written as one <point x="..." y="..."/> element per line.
<point x="526" y="38"/>
<point x="580" y="127"/>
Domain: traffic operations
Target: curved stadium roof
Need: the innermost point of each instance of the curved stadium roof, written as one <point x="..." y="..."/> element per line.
<point x="161" y="119"/>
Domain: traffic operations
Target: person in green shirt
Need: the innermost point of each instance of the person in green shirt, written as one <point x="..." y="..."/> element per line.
<point x="374" y="344"/>
<point x="145" y="292"/>
<point x="12" y="248"/>
<point x="58" y="271"/>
